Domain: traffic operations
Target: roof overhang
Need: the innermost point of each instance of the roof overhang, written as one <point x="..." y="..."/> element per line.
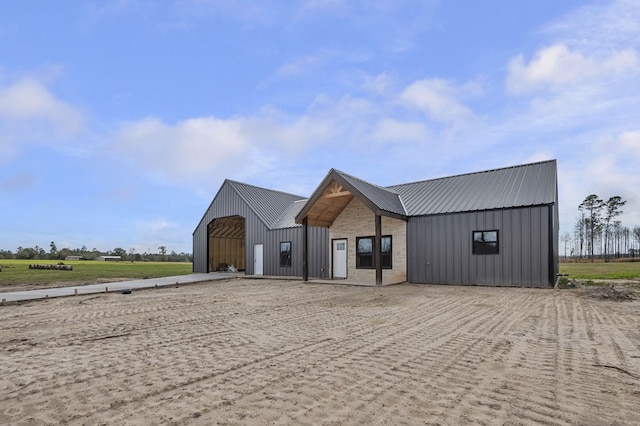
<point x="331" y="197"/>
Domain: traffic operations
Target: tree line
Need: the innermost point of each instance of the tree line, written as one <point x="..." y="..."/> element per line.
<point x="599" y="234"/>
<point x="38" y="253"/>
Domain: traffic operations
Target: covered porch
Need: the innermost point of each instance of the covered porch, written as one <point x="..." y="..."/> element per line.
<point x="363" y="219"/>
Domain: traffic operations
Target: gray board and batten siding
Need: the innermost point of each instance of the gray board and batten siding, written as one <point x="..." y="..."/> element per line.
<point x="267" y="220"/>
<point x="520" y="202"/>
<point x="439" y="248"/>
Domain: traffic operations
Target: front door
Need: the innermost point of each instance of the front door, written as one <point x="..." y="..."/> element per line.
<point x="339" y="258"/>
<point x="258" y="259"/>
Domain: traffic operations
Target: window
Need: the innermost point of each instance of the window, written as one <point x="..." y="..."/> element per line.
<point x="485" y="242"/>
<point x="385" y="242"/>
<point x="285" y="254"/>
<point x="364" y="252"/>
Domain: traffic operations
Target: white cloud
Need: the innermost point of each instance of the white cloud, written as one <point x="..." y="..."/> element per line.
<point x="394" y="130"/>
<point x="599" y="27"/>
<point x="31" y="115"/>
<point x="606" y="167"/>
<point x="439" y="99"/>
<point x="378" y="84"/>
<point x="28" y="100"/>
<point x="578" y="94"/>
<point x="630" y="143"/>
<point x="205" y="148"/>
<point x="557" y="66"/>
<point x="190" y="148"/>
<point x="300" y="66"/>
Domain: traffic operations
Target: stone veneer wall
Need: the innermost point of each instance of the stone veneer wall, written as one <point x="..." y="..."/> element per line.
<point x="358" y="221"/>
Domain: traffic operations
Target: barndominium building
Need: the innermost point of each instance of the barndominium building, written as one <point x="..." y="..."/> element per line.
<point x="496" y="227"/>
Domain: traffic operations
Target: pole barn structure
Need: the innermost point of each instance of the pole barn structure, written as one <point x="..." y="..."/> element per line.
<point x="496" y="227"/>
<point x="253" y="229"/>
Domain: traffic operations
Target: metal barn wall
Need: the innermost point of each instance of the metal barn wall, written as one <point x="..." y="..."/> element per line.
<point x="228" y="203"/>
<point x="439" y="248"/>
<point x="318" y="252"/>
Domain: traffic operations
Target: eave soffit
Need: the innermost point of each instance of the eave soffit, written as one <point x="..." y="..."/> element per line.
<point x="331" y="197"/>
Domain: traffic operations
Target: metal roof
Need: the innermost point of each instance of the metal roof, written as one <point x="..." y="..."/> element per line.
<point x="288" y="217"/>
<point x="383" y="198"/>
<point x="518" y="186"/>
<point x="267" y="204"/>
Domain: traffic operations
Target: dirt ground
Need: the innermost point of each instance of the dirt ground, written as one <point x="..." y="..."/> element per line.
<point x="262" y="352"/>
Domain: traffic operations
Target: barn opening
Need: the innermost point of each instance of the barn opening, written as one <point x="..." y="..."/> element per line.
<point x="226" y="243"/>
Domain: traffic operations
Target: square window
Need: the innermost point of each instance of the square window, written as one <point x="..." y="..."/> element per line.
<point x="285" y="254"/>
<point x="485" y="242"/>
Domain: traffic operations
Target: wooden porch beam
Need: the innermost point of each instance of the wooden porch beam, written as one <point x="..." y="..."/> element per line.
<point x="377" y="250"/>
<point x="305" y="249"/>
<point x="336" y="194"/>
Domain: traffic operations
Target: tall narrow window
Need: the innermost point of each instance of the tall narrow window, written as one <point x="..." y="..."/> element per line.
<point x="365" y="250"/>
<point x="485" y="242"/>
<point x="386" y="252"/>
<point x="285" y="254"/>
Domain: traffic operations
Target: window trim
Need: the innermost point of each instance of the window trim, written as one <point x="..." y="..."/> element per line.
<point x="286" y="255"/>
<point x="477" y="248"/>
<point x="389" y="255"/>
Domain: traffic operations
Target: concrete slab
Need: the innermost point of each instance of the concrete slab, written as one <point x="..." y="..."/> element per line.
<point x="17" y="296"/>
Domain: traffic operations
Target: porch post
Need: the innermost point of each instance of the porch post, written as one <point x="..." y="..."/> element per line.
<point x="305" y="249"/>
<point x="377" y="251"/>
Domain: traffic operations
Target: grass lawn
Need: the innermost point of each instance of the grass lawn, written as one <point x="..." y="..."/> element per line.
<point x="16" y="273"/>
<point x="601" y="270"/>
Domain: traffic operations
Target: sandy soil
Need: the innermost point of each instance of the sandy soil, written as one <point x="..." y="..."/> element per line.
<point x="281" y="352"/>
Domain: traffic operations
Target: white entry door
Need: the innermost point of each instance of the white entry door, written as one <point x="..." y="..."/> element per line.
<point x="258" y="259"/>
<point x="339" y="258"/>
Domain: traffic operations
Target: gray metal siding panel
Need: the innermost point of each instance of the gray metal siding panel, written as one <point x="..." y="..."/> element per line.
<point x="318" y="252"/>
<point x="439" y="248"/>
<point x="255" y="233"/>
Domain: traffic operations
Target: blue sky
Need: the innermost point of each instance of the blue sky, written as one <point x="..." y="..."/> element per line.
<point x="119" y="120"/>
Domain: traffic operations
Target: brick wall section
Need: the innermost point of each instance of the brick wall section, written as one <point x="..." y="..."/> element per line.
<point x="358" y="221"/>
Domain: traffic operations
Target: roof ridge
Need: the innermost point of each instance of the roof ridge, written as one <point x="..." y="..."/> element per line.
<point x="472" y="173"/>
<point x="377" y="187"/>
<point x="265" y="219"/>
<point x="364" y="181"/>
<point x="235" y="182"/>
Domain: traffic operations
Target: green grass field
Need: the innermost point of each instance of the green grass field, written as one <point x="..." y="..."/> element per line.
<point x="601" y="270"/>
<point x="16" y="273"/>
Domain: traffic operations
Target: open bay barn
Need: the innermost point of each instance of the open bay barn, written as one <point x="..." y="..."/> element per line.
<point x="497" y="227"/>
